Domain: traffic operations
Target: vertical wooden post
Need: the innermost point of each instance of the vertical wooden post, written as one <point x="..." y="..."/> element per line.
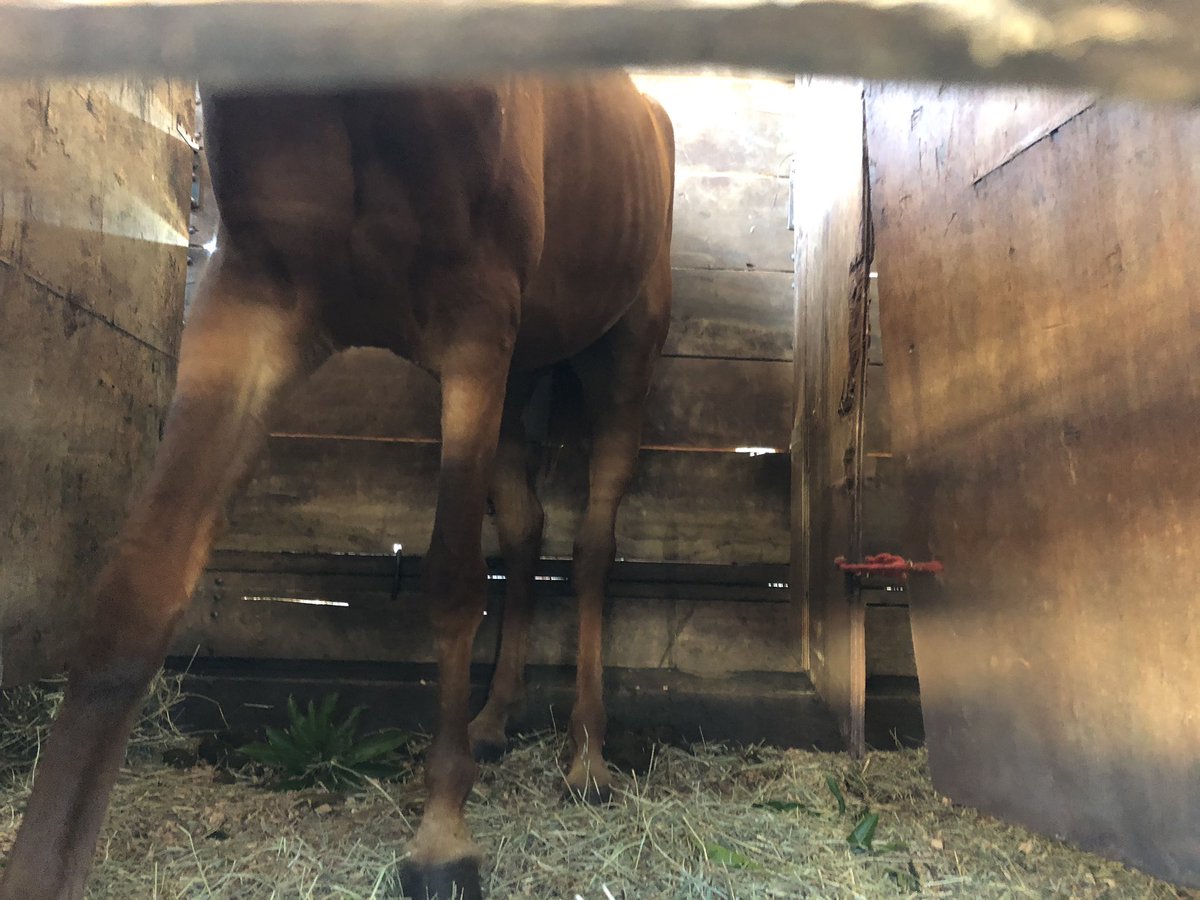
<point x="833" y="263"/>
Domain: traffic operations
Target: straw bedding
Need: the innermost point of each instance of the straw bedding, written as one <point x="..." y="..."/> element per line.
<point x="706" y="821"/>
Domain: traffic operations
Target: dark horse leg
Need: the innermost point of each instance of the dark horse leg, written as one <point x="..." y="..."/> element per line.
<point x="473" y="365"/>
<point x="246" y="341"/>
<point x="519" y="521"/>
<point x="616" y="374"/>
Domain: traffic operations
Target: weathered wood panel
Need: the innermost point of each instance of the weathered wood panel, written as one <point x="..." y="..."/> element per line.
<point x="719" y="404"/>
<point x="1041" y="329"/>
<point x="731" y="220"/>
<point x="356" y="609"/>
<point x="731" y="315"/>
<point x="889" y="642"/>
<point x="1147" y="48"/>
<point x="707" y="638"/>
<point x="93" y="222"/>
<point x="833" y="261"/>
<point x="314" y="495"/>
<point x="727" y="123"/>
<point x="93" y="176"/>
<point x="694" y="403"/>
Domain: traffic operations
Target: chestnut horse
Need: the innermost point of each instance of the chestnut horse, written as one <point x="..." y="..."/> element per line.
<point x="483" y="231"/>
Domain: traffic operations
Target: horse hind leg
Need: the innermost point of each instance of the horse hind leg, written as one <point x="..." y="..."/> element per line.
<point x="519" y="521"/>
<point x="616" y="375"/>
<point x="244" y="344"/>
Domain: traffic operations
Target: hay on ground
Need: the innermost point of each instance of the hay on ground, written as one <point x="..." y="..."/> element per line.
<point x="707" y="822"/>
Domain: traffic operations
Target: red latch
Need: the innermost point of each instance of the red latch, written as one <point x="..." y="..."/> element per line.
<point x="887" y="565"/>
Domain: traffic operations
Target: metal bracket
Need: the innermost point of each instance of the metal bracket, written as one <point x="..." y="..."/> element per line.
<point x="398" y="572"/>
<point x="887" y="565"/>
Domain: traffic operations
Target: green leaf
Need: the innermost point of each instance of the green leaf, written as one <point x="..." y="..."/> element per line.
<point x="294" y="715"/>
<point x="263" y="753"/>
<point x="836" y="790"/>
<point x="327" y="707"/>
<point x="373" y="747"/>
<point x="343" y="736"/>
<point x="723" y="856"/>
<point x="784" y="806"/>
<point x="863" y="834"/>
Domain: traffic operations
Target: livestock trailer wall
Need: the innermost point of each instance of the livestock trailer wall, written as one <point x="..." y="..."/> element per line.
<point x="1037" y="279"/>
<point x="93" y="234"/>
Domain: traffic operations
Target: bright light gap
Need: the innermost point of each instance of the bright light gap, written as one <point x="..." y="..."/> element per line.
<point x="301" y="601"/>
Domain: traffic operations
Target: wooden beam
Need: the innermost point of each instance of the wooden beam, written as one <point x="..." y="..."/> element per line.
<point x="1148" y="49"/>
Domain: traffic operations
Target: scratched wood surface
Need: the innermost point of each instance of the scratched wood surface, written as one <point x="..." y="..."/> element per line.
<point x="317" y="494"/>
<point x="1040" y="327"/>
<point x="708" y="630"/>
<point x="833" y="256"/>
<point x="93" y="232"/>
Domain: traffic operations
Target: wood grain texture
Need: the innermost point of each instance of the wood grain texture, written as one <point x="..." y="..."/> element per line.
<point x="1041" y="330"/>
<point x="732" y="315"/>
<point x="694" y="403"/>
<point x="319" y="495"/>
<point x="731" y="220"/>
<point x="833" y="254"/>
<point x="92" y="254"/>
<point x="707" y="638"/>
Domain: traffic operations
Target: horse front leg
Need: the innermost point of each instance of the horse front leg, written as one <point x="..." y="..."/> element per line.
<point x="444" y="863"/>
<point x="246" y="341"/>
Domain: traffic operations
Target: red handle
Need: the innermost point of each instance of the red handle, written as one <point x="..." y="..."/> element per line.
<point x="888" y="565"/>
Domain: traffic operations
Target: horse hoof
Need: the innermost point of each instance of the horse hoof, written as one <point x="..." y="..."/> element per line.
<point x="593" y="794"/>
<point x="457" y="880"/>
<point x="486" y="750"/>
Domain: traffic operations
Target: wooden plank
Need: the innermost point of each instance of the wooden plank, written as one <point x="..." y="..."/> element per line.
<point x="889" y="642"/>
<point x="93" y="212"/>
<point x="378" y="586"/>
<point x="1142" y="49"/>
<point x="833" y="261"/>
<point x="660" y="575"/>
<point x="694" y="403"/>
<point x="731" y="221"/>
<point x="96" y="178"/>
<point x="365" y="392"/>
<point x="719" y="404"/>
<point x="731" y="315"/>
<point x="1041" y="332"/>
<point x="727" y="123"/>
<point x="315" y="495"/>
<point x="83" y="406"/>
<point x="778" y="708"/>
<point x="664" y="634"/>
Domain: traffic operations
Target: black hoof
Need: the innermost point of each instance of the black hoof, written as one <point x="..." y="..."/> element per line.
<point x="458" y="880"/>
<point x="594" y="794"/>
<point x="486" y="751"/>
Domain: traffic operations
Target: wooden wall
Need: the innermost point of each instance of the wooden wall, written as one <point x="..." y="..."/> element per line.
<point x="1037" y="271"/>
<point x="352" y="461"/>
<point x="833" y="252"/>
<point x="94" y="184"/>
